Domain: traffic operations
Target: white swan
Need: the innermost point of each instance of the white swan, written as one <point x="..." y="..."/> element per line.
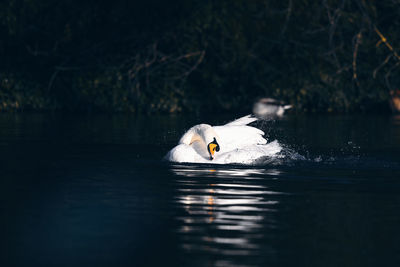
<point x="232" y="143"/>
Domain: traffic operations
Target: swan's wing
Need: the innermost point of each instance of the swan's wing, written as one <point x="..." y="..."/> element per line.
<point x="235" y="137"/>
<point x="252" y="154"/>
<point x="242" y="121"/>
<point x="237" y="134"/>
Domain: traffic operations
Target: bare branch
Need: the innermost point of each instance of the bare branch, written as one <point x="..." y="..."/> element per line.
<point x="289" y="13"/>
<point x="357" y="43"/>
<point x="382" y="65"/>
<point x="384" y="40"/>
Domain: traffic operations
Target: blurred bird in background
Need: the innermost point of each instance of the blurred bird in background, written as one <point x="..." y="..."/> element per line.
<point x="269" y="107"/>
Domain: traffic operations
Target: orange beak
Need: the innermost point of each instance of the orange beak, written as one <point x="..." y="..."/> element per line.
<point x="211" y="148"/>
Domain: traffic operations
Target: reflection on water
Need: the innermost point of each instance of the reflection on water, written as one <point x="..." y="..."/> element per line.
<point x="226" y="210"/>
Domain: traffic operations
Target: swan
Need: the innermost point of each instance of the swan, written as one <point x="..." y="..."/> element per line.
<point x="232" y="143"/>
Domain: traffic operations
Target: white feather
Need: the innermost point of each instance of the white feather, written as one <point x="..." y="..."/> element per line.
<point x="242" y="121"/>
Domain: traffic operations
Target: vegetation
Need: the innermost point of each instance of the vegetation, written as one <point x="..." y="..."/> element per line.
<point x="191" y="56"/>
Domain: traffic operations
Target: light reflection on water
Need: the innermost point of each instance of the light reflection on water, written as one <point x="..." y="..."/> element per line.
<point x="224" y="215"/>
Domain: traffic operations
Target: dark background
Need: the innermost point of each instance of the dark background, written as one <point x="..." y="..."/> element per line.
<point x="195" y="56"/>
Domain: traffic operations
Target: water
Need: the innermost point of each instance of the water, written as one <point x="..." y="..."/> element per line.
<point x="93" y="191"/>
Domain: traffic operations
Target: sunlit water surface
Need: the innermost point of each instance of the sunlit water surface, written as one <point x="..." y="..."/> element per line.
<point x="93" y="191"/>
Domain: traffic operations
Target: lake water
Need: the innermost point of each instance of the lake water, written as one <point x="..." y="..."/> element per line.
<point x="93" y="191"/>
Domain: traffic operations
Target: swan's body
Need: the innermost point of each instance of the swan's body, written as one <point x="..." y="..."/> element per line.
<point x="237" y="143"/>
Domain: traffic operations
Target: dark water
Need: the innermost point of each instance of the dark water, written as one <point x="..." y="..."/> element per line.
<point x="93" y="191"/>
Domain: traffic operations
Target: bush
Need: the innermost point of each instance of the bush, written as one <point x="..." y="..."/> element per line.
<point x="196" y="56"/>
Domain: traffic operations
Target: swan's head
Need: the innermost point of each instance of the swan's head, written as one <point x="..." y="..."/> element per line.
<point x="212" y="148"/>
<point x="210" y="139"/>
<point x="203" y="138"/>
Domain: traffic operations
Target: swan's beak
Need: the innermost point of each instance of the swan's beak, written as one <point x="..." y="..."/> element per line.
<point x="212" y="147"/>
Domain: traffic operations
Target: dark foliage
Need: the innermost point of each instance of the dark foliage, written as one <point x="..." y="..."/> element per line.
<point x="162" y="56"/>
